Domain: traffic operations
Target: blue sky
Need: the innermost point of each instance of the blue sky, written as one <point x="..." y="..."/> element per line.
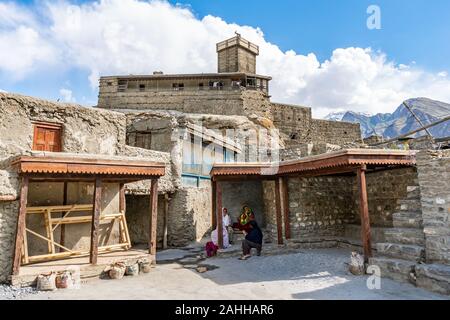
<point x="412" y="30"/>
<point x="409" y="54"/>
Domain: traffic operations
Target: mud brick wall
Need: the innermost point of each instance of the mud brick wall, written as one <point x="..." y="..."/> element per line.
<point x="189" y="216"/>
<point x="236" y="102"/>
<point x="8" y="221"/>
<point x="85" y="130"/>
<point x="138" y="219"/>
<point x="434" y="179"/>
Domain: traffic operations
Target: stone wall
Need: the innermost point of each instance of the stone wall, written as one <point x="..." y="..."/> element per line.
<point x="329" y="206"/>
<point x="8" y="222"/>
<point x="138" y="219"/>
<point x="320" y="206"/>
<point x="189" y="216"/>
<point x="384" y="190"/>
<point x="85" y="130"/>
<point x="237" y="194"/>
<point x="235" y="102"/>
<point x="434" y="179"/>
<point x="298" y="127"/>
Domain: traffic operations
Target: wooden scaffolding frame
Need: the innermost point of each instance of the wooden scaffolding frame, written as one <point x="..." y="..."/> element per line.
<point x="51" y="223"/>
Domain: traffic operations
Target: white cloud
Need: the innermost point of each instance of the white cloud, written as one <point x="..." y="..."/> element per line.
<point x="3" y="91"/>
<point x="137" y="37"/>
<point x="67" y="95"/>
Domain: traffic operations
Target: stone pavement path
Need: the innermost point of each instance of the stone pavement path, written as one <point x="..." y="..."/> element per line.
<point x="308" y="274"/>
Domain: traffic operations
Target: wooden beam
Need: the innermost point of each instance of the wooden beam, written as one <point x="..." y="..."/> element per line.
<point x="122" y="208"/>
<point x="364" y="211"/>
<point x="285" y="206"/>
<point x="278" y="210"/>
<point x="95" y="221"/>
<point x="213" y="204"/>
<point x="62" y="237"/>
<point x="21" y="221"/>
<point x="153" y="217"/>
<point x="219" y="219"/>
<point x="166" y="220"/>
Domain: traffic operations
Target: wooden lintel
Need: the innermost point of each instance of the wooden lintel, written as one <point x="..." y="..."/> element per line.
<point x="20" y="230"/>
<point x="93" y="254"/>
<point x="364" y="212"/>
<point x="153" y="216"/>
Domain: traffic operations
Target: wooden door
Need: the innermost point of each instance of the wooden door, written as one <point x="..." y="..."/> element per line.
<point x="47" y="138"/>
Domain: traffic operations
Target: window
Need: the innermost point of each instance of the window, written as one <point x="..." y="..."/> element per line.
<point x="122" y="85"/>
<point x="47" y="137"/>
<point x="200" y="86"/>
<point x="140" y="140"/>
<point x="178" y="86"/>
<point x="142" y="87"/>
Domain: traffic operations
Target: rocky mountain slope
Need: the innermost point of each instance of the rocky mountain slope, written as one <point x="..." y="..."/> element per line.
<point x="401" y="121"/>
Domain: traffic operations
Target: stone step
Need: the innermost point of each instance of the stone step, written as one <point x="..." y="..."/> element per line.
<point x="407" y="219"/>
<point x="434" y="277"/>
<point x="405" y="236"/>
<point x="401" y="251"/>
<point x="409" y="205"/>
<point x="395" y="269"/>
<point x="413" y="193"/>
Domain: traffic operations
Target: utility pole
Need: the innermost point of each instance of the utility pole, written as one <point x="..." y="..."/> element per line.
<point x="419" y="121"/>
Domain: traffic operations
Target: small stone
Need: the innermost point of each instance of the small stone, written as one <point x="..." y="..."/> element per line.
<point x="202" y="269"/>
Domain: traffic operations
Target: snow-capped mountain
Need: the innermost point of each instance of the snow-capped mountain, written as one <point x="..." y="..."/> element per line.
<point x="390" y="125"/>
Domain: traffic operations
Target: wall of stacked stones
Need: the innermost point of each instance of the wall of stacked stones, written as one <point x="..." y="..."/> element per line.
<point x="434" y="180"/>
<point x="384" y="190"/>
<point x="298" y="127"/>
<point x="328" y="206"/>
<point x="320" y="206"/>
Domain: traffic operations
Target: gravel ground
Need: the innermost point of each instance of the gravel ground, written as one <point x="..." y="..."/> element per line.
<point x="11" y="293"/>
<point x="308" y="274"/>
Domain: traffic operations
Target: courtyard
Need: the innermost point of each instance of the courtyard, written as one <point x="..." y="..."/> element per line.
<point x="304" y="274"/>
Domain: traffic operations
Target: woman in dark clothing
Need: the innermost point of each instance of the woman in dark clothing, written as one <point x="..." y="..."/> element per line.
<point x="253" y="239"/>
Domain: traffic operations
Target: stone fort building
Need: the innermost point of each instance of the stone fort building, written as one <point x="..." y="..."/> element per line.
<point x="188" y="124"/>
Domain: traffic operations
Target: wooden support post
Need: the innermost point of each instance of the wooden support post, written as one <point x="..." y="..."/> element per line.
<point x="285" y="206"/>
<point x="62" y="237"/>
<point x="96" y="221"/>
<point x="20" y="230"/>
<point x="278" y="210"/>
<point x="153" y="217"/>
<point x="364" y="211"/>
<point x="219" y="218"/>
<point x="122" y="208"/>
<point x="213" y="204"/>
<point x="166" y="220"/>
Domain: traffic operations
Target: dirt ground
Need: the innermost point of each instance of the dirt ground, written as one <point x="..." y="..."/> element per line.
<point x="308" y="274"/>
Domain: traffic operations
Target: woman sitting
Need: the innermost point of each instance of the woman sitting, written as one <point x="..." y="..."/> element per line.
<point x="245" y="217"/>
